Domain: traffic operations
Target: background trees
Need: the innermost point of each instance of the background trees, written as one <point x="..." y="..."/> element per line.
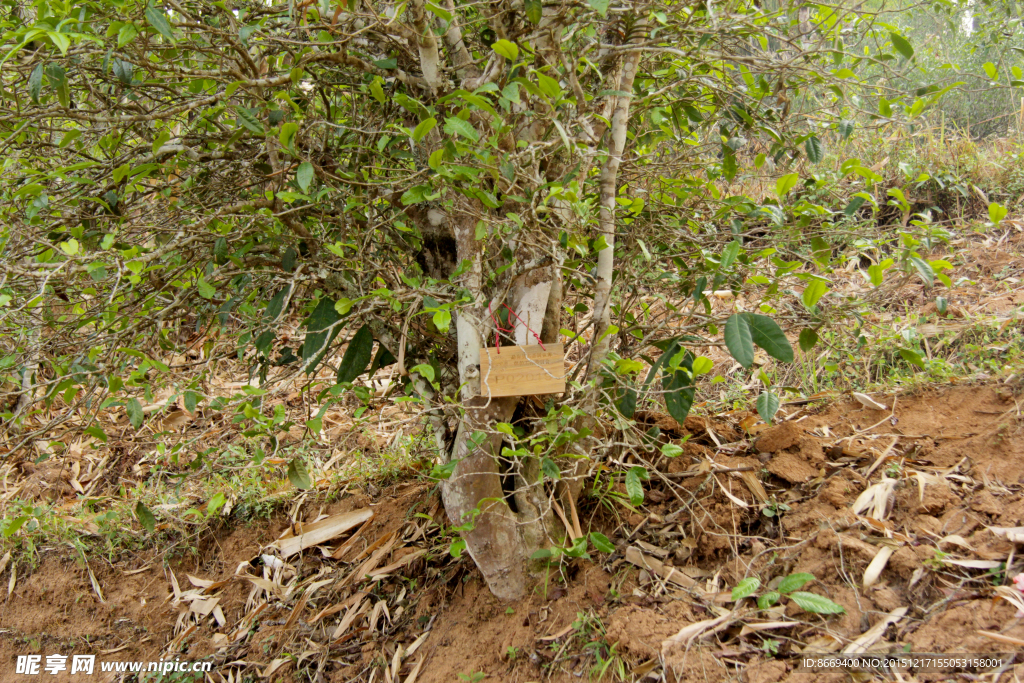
<point x="395" y="174"/>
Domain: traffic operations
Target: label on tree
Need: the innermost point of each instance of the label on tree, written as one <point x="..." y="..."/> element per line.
<point x="522" y="370"/>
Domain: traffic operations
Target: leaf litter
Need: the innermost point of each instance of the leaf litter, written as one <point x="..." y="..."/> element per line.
<point x="909" y="552"/>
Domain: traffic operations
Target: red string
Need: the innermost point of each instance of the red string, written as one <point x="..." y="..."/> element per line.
<point x="498" y="329"/>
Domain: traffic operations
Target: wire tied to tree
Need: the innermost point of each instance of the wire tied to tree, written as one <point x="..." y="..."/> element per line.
<point x="510" y="330"/>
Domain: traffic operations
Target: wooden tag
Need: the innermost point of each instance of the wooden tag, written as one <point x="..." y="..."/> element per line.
<point x="522" y="370"/>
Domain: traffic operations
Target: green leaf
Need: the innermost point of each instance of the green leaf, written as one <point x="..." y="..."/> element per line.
<point x="876" y="274"/>
<point x="343" y="305"/>
<point x="729" y="254"/>
<point x="746" y="588"/>
<point x="821" y="250"/>
<point x="729" y="163"/>
<point x="321" y="329"/>
<point x="702" y="365"/>
<point x="996" y="213"/>
<point x="206" y="290"/>
<point x="550" y="468"/>
<point x="815" y="150"/>
<point x="442" y="320"/>
<point x="577" y="549"/>
<point x="816" y="604"/>
<point x="276" y="305"/>
<point x="444" y="471"/>
<point x="134" y="410"/>
<point x="769" y="336"/>
<point x="808" y="338"/>
<point x="35" y="83"/>
<point x="191" y="401"/>
<point x="991" y="71"/>
<point x="287" y="135"/>
<point x="561" y="131"/>
<point x="635" y="489"/>
<point x="265" y="342"/>
<point x="813" y="292"/>
<point x="377" y="90"/>
<point x="298" y="475"/>
<point x="220" y="250"/>
<point x="902" y="45"/>
<point x="671" y="450"/>
<point x="549" y="86"/>
<point x="357" y="356"/>
<point x="248" y="120"/>
<point x="768" y="599"/>
<point x="59" y="82"/>
<point x="457" y="547"/>
<point x="511" y="93"/>
<point x="418" y="193"/>
<point x="61" y="41"/>
<point x="127" y="34"/>
<point x="679" y="397"/>
<point x="786" y="183"/>
<point x="159" y="141"/>
<point x="304" y="176"/>
<point x="912" y="357"/>
<point x="767" y="405"/>
<point x="542" y="554"/>
<point x="846" y="128"/>
<point x="854" y="205"/>
<point x="738" y="339"/>
<point x="95" y="432"/>
<point x="678" y="384"/>
<point x="424" y="369"/>
<point x="145" y="517"/>
<point x="214" y="505"/>
<point x="600" y="5"/>
<point x="794" y="582"/>
<point x="506" y="49"/>
<point x="441" y="12"/>
<point x="924" y="270"/>
<point x="158" y="20"/>
<point x="422" y="128"/>
<point x="534" y="10"/>
<point x="13" y="526"/>
<point x="464" y="129"/>
<point x="601" y="542"/>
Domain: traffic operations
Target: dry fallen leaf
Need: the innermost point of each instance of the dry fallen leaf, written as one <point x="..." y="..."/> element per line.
<point x="555" y="636"/>
<point x="415" y="671"/>
<point x="878" y="563"/>
<point x="635" y="557"/>
<point x="175" y="419"/>
<point x="869" y="402"/>
<point x="691" y="631"/>
<point x="973" y="564"/>
<point x="875" y="499"/>
<point x="322" y="531"/>
<point x="1002" y="638"/>
<point x="350" y="617"/>
<point x="1015" y="533"/>
<point x="869" y="637"/>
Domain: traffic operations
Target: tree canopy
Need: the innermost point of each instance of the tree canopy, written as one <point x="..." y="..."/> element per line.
<point x="400" y="176"/>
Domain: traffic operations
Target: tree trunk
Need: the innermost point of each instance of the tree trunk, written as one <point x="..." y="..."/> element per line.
<point x="498" y="539"/>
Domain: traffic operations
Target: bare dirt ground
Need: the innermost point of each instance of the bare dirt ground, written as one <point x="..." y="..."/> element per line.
<point x="388" y="602"/>
<point x="890" y="513"/>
